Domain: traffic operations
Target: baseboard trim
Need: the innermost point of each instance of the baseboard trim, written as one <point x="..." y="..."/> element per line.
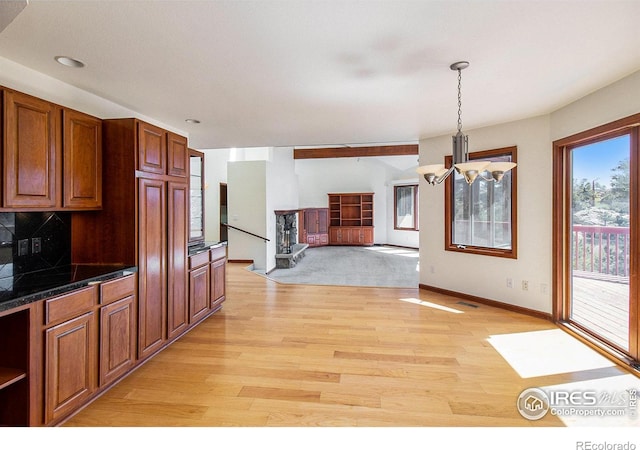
<point x="399" y="246"/>
<point x="486" y="301"/>
<point x="243" y="261"/>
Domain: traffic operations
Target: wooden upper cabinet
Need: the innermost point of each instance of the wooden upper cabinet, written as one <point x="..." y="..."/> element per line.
<point x="177" y="155"/>
<point x="152" y="149"/>
<point x="30" y="152"/>
<point x="162" y="152"/>
<point x="82" y="161"/>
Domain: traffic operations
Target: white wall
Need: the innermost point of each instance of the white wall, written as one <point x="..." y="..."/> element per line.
<point x="282" y="194"/>
<point x="616" y="101"/>
<point x="318" y="177"/>
<point x="247" y="198"/>
<point x="485" y="276"/>
<point x="403" y="238"/>
<point x="256" y="188"/>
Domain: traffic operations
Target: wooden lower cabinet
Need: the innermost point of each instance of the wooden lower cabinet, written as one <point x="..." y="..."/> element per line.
<point x="367" y="235"/>
<point x="198" y="293"/>
<point x="335" y="236"/>
<point x="71" y="358"/>
<point x="315" y="226"/>
<point x="351" y="236"/>
<point x="89" y="343"/>
<point x="117" y="328"/>
<point x="207" y="279"/>
<point x="218" y="281"/>
<point x="117" y="343"/>
<point x="87" y="340"/>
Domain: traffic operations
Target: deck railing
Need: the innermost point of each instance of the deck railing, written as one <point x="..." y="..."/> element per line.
<point x="601" y="251"/>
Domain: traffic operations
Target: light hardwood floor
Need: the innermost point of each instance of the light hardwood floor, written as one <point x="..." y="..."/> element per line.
<point x="294" y="355"/>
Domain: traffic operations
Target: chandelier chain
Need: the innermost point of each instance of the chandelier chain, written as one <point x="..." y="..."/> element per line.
<point x="459" y="100"/>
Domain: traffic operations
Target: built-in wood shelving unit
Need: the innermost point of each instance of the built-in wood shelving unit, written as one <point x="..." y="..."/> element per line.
<point x="351" y="219"/>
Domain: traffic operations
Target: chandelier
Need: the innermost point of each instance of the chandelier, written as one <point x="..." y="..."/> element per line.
<point x="470" y="170"/>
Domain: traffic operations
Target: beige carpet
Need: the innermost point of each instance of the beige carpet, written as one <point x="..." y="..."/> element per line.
<point x="380" y="266"/>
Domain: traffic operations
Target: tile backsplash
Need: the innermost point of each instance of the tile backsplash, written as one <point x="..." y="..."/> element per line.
<point x="19" y="236"/>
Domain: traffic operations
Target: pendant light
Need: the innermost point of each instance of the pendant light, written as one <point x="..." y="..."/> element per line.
<point x="470" y="170"/>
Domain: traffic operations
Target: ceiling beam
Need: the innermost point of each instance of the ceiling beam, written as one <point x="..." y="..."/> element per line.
<point x="350" y="152"/>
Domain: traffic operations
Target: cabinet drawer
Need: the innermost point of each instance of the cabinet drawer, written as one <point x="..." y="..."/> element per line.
<point x="198" y="260"/>
<point x="218" y="252"/>
<point x="113" y="290"/>
<point x="70" y="305"/>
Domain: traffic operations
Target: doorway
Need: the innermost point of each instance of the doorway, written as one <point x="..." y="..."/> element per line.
<point x="595" y="236"/>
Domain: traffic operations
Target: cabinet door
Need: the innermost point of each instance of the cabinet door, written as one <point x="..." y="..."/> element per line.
<point x="198" y="293"/>
<point x="82" y="157"/>
<point x="335" y="236"/>
<point x="117" y="339"/>
<point x="218" y="279"/>
<point x="357" y="236"/>
<point x="368" y="235"/>
<point x="152" y="244"/>
<point x="70" y="365"/>
<point x="346" y="235"/>
<point x="178" y="155"/>
<point x="323" y="221"/>
<point x="177" y="297"/>
<point x="311" y="221"/>
<point x="152" y="149"/>
<point x="31" y="152"/>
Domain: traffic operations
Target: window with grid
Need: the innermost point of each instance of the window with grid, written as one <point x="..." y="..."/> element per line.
<point x="481" y="217"/>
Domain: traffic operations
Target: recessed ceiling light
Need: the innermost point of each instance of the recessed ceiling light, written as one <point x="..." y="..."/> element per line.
<point x="192" y="120"/>
<point x="69" y="62"/>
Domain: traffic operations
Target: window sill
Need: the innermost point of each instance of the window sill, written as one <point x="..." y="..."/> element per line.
<point x="511" y="254"/>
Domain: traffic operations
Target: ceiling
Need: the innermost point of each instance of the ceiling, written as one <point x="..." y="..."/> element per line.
<point x="307" y="73"/>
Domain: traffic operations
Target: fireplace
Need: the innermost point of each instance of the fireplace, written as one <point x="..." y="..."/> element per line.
<point x="286" y="230"/>
<point x="288" y="250"/>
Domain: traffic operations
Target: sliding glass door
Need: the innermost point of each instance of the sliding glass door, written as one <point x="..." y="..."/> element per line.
<point x="600" y="241"/>
<point x="596" y="222"/>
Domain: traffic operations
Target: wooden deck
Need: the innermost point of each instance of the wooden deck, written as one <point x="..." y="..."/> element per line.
<point x="603" y="307"/>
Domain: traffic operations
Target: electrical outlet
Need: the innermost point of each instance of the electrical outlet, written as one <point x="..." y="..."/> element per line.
<point x="525" y="285"/>
<point x="23" y="247"/>
<point x="36" y="245"/>
<point x="509" y="283"/>
<point x="432" y="269"/>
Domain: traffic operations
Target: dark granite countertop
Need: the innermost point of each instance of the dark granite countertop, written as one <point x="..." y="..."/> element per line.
<point x="204" y="246"/>
<point x="26" y="288"/>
